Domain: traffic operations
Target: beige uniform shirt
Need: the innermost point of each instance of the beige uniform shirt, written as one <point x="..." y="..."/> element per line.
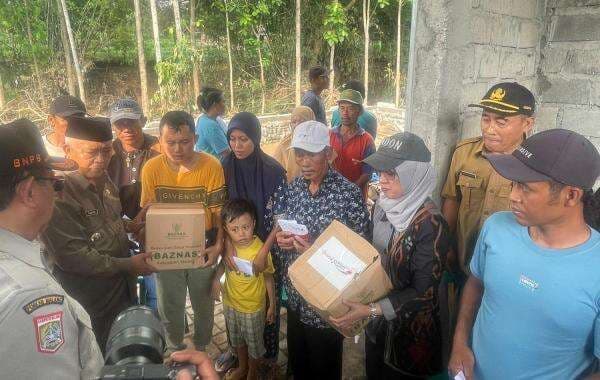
<point x="45" y="333"/>
<point x="287" y="158"/>
<point x="480" y="191"/>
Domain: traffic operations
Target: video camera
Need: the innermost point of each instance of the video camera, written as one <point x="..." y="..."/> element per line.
<point x="135" y="348"/>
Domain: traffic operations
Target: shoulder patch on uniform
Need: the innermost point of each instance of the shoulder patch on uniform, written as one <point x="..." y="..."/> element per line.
<point x="468" y="141"/>
<point x="49" y="333"/>
<point x="50" y="299"/>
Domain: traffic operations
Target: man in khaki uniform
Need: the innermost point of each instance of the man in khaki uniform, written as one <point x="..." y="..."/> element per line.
<point x="86" y="237"/>
<point x="473" y="190"/>
<point x="46" y="334"/>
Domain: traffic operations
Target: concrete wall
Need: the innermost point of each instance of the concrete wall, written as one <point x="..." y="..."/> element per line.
<point x="275" y="127"/>
<point x="462" y="47"/>
<point x="503" y="45"/>
<point x="568" y="81"/>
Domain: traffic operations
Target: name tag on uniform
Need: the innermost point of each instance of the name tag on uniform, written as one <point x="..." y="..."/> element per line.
<point x="93" y="212"/>
<point x="467" y="174"/>
<point x="51" y="299"/>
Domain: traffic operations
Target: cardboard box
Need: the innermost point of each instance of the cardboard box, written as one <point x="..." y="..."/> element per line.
<point x="339" y="265"/>
<point x="175" y="235"/>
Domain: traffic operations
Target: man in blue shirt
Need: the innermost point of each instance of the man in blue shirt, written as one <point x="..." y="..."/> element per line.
<point x="319" y="81"/>
<point x="531" y="306"/>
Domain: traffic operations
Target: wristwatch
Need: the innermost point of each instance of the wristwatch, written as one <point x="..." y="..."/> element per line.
<point x="372" y="310"/>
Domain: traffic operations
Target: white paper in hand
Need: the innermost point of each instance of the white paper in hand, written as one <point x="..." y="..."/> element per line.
<point x="460" y="376"/>
<point x="293" y="227"/>
<point x="244" y="266"/>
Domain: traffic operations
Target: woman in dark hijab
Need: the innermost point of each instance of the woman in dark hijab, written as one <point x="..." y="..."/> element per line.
<point x="253" y="175"/>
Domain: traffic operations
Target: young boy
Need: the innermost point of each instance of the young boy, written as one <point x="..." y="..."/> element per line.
<point x="245" y="292"/>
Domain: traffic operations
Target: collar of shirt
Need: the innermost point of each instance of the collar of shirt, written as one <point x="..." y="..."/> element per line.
<point x="21" y="249"/>
<point x="480" y="148"/>
<point x="327" y="180"/>
<point x="81" y="182"/>
<point x="338" y="131"/>
<point x="149" y="142"/>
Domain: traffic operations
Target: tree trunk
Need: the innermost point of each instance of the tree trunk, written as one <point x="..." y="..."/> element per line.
<point x="331" y="69"/>
<point x="298" y="52"/>
<point x="262" y="79"/>
<point x="36" y="68"/>
<point x="78" y="72"/>
<point x="68" y="61"/>
<point x="195" y="69"/>
<point x="141" y="56"/>
<point x="155" y="31"/>
<point x="231" y="98"/>
<point x="398" y="52"/>
<point x="2" y="98"/>
<point x="157" y="53"/>
<point x="366" y="25"/>
<point x="177" y="15"/>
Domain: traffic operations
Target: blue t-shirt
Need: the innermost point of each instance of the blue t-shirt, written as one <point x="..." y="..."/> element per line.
<point x="315" y="103"/>
<point x="211" y="137"/>
<point x="540" y="313"/>
<point x="366" y="121"/>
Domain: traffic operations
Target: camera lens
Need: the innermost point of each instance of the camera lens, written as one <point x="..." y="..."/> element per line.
<point x="136" y="337"/>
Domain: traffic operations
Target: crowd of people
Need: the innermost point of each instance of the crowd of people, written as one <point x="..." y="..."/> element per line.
<point x="515" y="236"/>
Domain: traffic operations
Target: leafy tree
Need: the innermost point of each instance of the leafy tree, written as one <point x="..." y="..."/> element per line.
<point x="336" y="31"/>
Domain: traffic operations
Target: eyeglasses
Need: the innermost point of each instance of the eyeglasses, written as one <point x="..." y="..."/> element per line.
<point x="58" y="184"/>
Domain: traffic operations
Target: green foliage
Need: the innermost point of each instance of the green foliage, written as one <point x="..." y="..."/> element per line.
<point x="174" y="73"/>
<point x="336" y="29"/>
<point x="105" y="34"/>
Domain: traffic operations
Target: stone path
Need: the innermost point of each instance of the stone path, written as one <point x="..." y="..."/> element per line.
<point x="353" y="353"/>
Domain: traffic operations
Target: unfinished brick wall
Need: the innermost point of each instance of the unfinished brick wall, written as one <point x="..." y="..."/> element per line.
<point x="568" y="81"/>
<point x="502" y="45"/>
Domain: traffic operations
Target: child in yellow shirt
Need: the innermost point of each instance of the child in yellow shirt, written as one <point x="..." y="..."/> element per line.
<point x="245" y="292"/>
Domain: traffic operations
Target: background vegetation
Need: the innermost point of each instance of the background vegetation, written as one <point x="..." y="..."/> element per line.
<point x="36" y="63"/>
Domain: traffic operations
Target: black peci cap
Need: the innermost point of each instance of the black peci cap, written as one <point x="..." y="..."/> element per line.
<point x="393" y="150"/>
<point x="557" y="154"/>
<point x="509" y="98"/>
<point x="67" y="105"/>
<point x="22" y="148"/>
<point x="89" y="128"/>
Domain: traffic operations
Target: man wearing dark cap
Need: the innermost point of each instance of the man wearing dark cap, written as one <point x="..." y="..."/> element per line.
<point x="351" y="142"/>
<point x="132" y="148"/>
<point x="531" y="306"/>
<point x="473" y="190"/>
<point x="86" y="238"/>
<point x="46" y="334"/>
<point x="61" y="108"/>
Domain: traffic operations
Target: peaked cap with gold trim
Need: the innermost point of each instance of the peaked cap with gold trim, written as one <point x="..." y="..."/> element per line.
<point x="508" y="98"/>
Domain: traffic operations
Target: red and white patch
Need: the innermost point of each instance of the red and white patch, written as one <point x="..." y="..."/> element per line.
<point x="49" y="332"/>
